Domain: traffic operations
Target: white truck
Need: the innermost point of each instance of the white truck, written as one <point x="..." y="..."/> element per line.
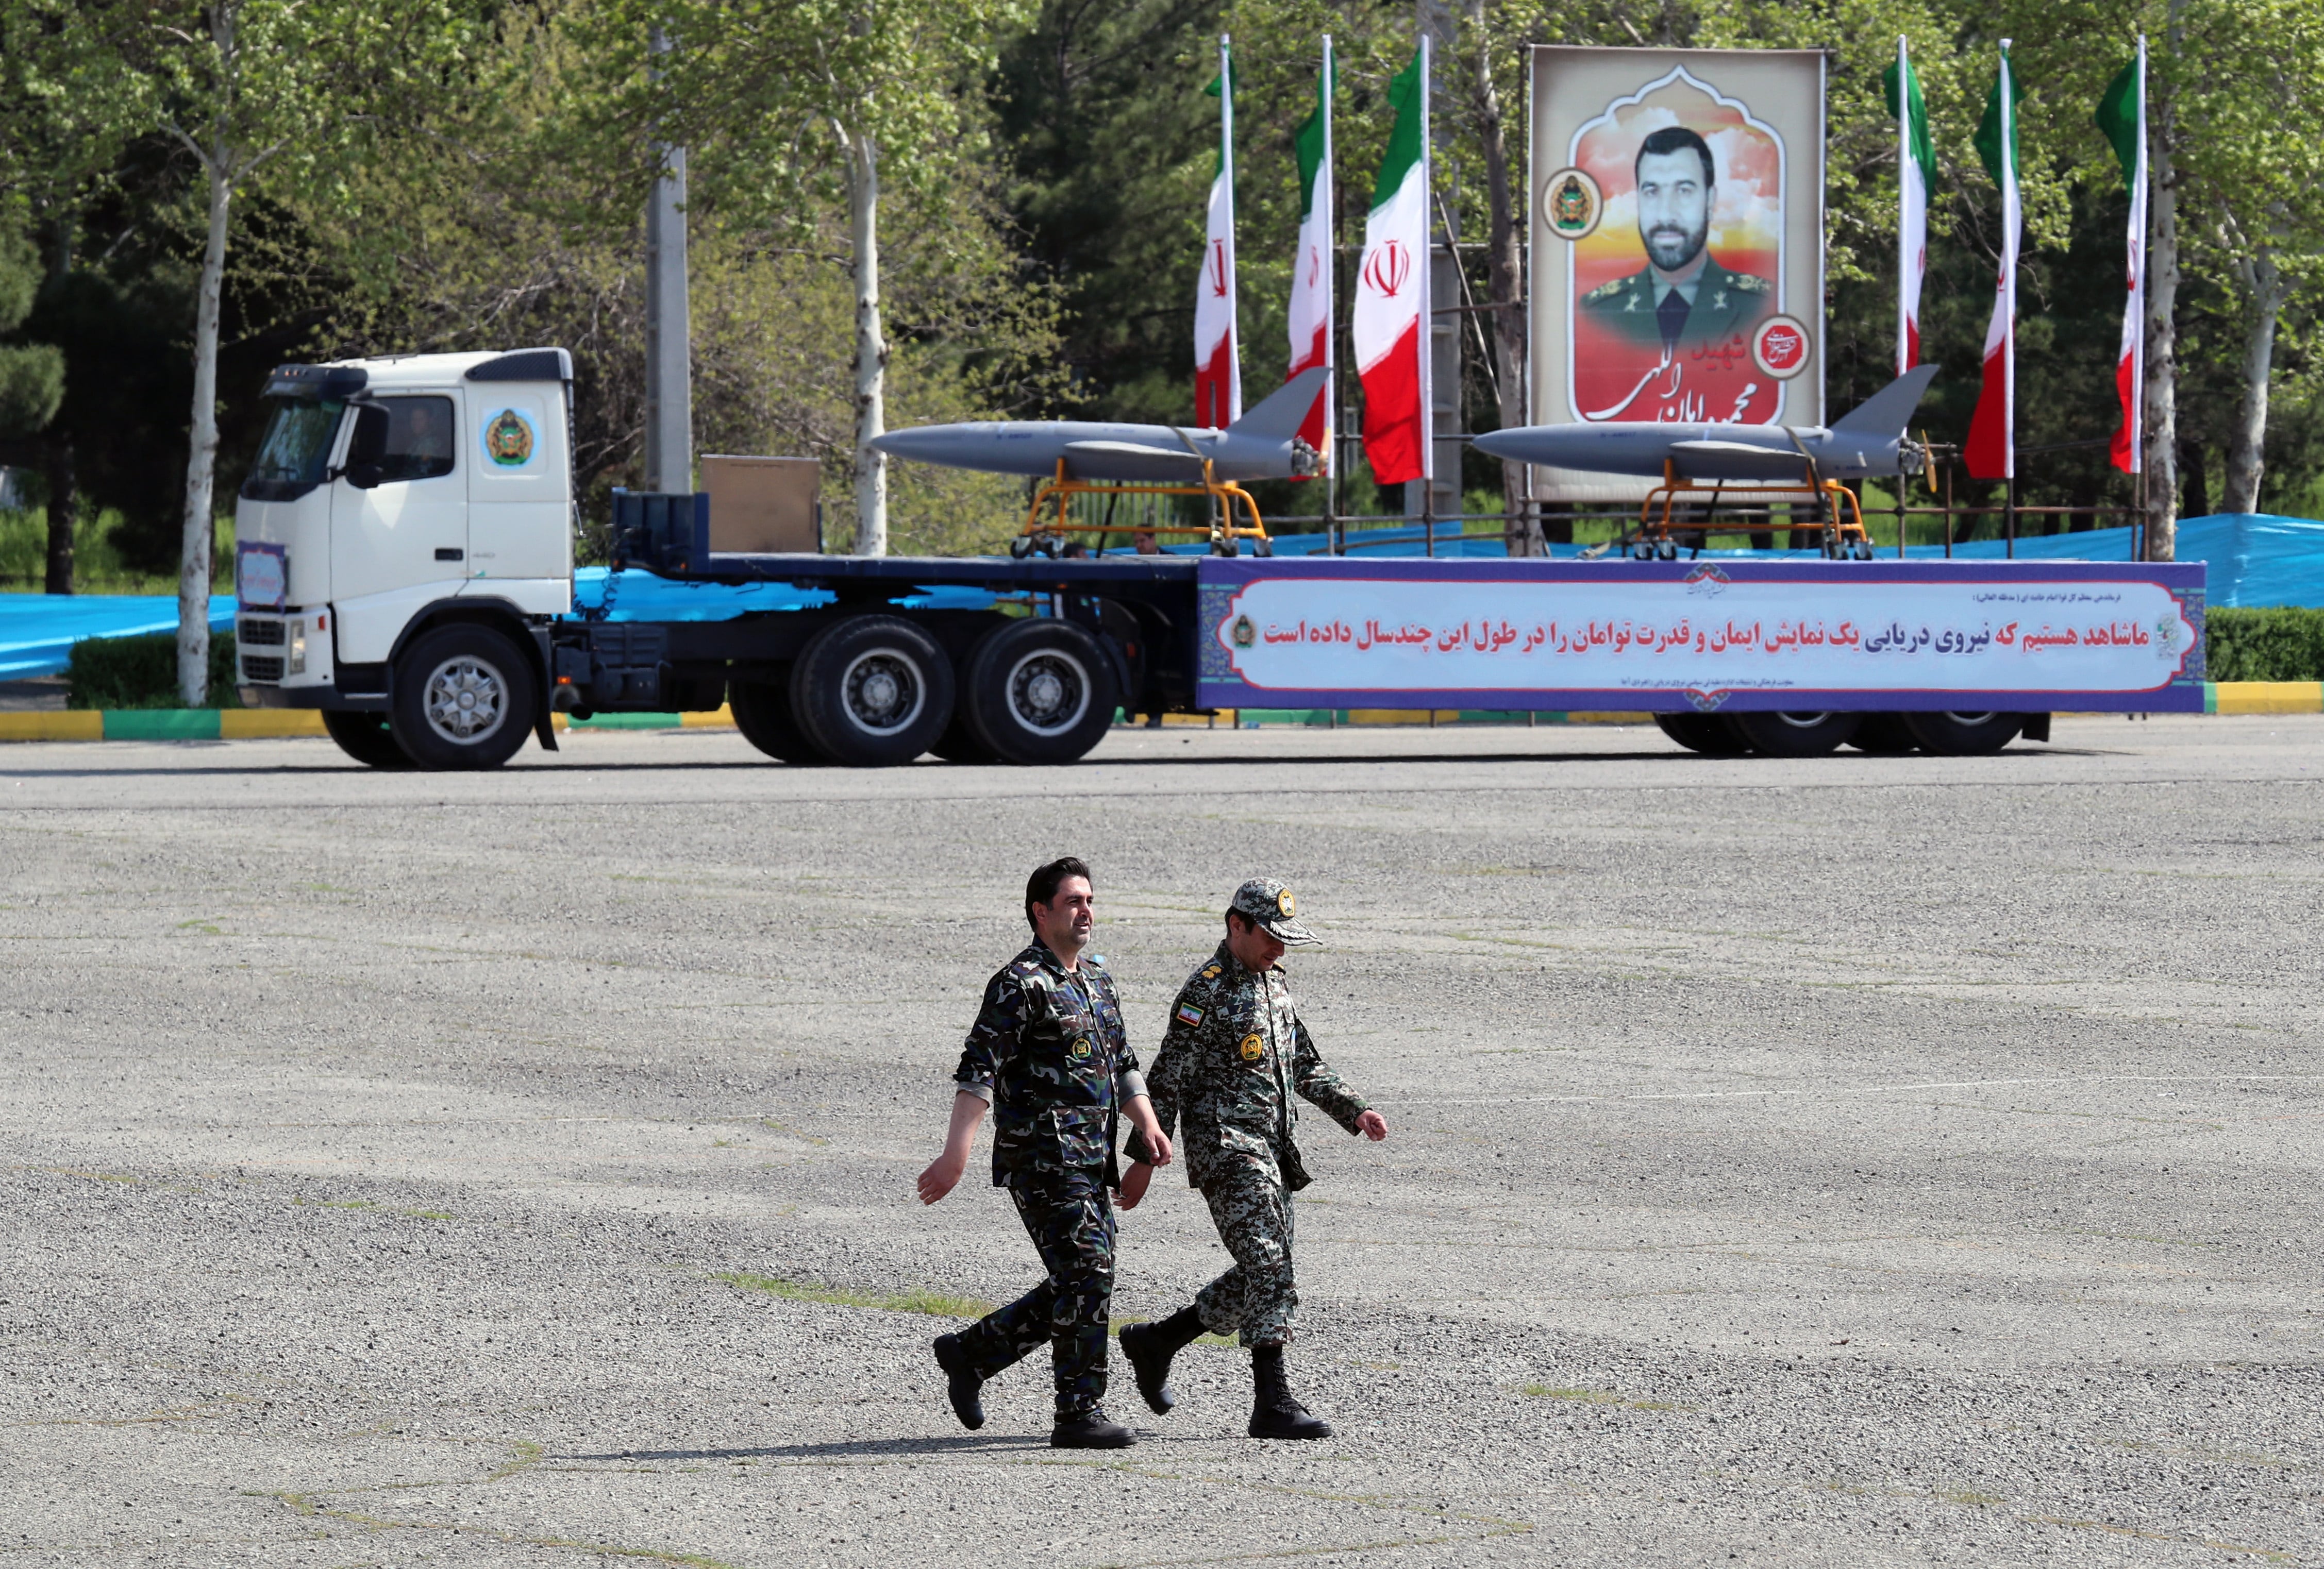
<point x="404" y="563"/>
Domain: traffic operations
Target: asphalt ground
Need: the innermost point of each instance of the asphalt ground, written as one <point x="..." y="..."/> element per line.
<point x="1856" y="1161"/>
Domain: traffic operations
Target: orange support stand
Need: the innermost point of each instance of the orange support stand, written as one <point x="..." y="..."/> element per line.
<point x="1223" y="530"/>
<point x="1841" y="522"/>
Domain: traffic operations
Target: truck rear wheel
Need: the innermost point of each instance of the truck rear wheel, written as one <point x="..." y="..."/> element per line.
<point x="872" y="691"/>
<point x="1701" y="732"/>
<point x="762" y="712"/>
<point x="1964" y="735"/>
<point x="366" y="737"/>
<point x="1794" y="734"/>
<point x="464" y="698"/>
<point x="1038" y="691"/>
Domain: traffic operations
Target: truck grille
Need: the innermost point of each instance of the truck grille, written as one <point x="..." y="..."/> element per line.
<point x="251" y="629"/>
<point x="261" y="667"/>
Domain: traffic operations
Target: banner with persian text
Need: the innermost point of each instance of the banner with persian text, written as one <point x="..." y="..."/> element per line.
<point x="1670" y="637"/>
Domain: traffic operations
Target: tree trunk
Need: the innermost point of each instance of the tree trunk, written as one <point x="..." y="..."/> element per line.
<point x="2264" y="290"/>
<point x="64" y="506"/>
<point x="201" y="462"/>
<point x="2162" y="412"/>
<point x="2198" y="484"/>
<point x="1504" y="288"/>
<point x="870" y="345"/>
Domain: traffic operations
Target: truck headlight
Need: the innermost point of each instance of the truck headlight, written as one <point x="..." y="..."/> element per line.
<point x="298" y="666"/>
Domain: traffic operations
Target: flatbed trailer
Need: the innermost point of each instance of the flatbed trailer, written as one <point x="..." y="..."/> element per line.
<point x="420" y="591"/>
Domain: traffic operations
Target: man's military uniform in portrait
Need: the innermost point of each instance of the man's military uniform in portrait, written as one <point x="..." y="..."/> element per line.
<point x="1726" y="306"/>
<point x="1224" y="1086"/>
<point x="1049" y="1052"/>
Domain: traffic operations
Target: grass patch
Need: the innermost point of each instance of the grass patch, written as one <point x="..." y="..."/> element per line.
<point x="303" y="1200"/>
<point x="933" y="1304"/>
<point x="427" y="1213"/>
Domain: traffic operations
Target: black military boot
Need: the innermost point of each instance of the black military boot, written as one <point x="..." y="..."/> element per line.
<point x="1274" y="1413"/>
<point x="962" y="1383"/>
<point x="1149" y="1348"/>
<point x="1090" y="1430"/>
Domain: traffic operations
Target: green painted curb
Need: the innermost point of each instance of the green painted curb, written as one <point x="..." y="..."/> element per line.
<point x="160" y="724"/>
<point x="629" y="721"/>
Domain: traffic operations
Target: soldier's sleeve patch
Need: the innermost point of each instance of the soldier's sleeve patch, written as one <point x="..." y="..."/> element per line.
<point x="1189" y="1014"/>
<point x="1253" y="1048"/>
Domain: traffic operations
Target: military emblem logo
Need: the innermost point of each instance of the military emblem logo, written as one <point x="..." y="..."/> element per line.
<point x="508" y="439"/>
<point x="1573" y="203"/>
<point x="1286" y="905"/>
<point x="1081" y="1046"/>
<point x="1253" y="1048"/>
<point x="1244" y="633"/>
<point x="1780" y="347"/>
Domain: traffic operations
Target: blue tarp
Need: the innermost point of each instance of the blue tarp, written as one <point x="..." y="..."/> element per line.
<point x="36" y="630"/>
<point x="2253" y="559"/>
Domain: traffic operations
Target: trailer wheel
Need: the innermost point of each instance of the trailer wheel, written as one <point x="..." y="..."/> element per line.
<point x="1794" y="734"/>
<point x="1965" y="734"/>
<point x="1038" y="691"/>
<point x="872" y="691"/>
<point x="1701" y="732"/>
<point x="365" y="736"/>
<point x="762" y="712"/>
<point x="464" y="698"/>
<point x="1884" y="735"/>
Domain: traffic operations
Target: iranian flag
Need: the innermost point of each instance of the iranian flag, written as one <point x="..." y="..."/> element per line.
<point x="1218" y="367"/>
<point x="2122" y="116"/>
<point x="1310" y="269"/>
<point x="1991" y="453"/>
<point x="1916" y="163"/>
<point x="1391" y="314"/>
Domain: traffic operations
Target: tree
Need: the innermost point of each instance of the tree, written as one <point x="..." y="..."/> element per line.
<point x="32" y="375"/>
<point x="783" y="106"/>
<point x="259" y="95"/>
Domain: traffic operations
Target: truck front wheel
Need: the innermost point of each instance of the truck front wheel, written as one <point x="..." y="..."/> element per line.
<point x="464" y="698"/>
<point x="366" y="737"/>
<point x="1038" y="691"/>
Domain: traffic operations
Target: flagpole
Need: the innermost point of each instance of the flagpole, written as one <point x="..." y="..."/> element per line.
<point x="2010" y="216"/>
<point x="1423" y="267"/>
<point x="1329" y="195"/>
<point x="1234" y="287"/>
<point x="1903" y="200"/>
<point x="2138" y="339"/>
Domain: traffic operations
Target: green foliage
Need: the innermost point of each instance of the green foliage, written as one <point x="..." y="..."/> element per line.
<point x="118" y="673"/>
<point x="32" y="375"/>
<point x="2280" y="643"/>
<point x="106" y="555"/>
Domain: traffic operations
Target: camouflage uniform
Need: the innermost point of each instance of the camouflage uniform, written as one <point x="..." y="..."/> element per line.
<point x="1048" y="1052"/>
<point x="1234" y="1055"/>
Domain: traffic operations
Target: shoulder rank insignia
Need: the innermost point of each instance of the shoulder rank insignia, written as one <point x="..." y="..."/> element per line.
<point x="1606" y="291"/>
<point x="1253" y="1048"/>
<point x="1747" y="283"/>
<point x="1188" y="1013"/>
<point x="1210" y="972"/>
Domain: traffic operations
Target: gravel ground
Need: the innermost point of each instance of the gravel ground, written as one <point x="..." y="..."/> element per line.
<point x="1859" y="1161"/>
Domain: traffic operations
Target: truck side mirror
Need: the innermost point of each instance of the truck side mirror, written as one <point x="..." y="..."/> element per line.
<point x="366" y="447"/>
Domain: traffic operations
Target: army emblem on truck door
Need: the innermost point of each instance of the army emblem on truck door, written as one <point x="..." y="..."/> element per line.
<point x="508" y="439"/>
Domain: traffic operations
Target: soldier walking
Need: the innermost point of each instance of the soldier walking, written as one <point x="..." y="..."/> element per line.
<point x="1233" y="1057"/>
<point x="1049" y="1054"/>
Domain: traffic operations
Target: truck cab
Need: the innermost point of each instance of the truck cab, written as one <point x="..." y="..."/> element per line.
<point x="396" y="502"/>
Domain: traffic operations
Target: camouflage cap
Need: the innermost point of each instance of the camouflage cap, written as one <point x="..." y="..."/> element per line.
<point x="1271" y="904"/>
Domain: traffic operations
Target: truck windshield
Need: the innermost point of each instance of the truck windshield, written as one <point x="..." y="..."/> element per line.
<point x="297" y="446"/>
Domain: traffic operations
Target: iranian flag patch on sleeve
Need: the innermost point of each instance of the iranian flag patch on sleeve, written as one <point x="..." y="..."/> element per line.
<point x="1189" y="1014"/>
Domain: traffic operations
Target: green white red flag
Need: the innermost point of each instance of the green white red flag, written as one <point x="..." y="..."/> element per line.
<point x="1391" y="315"/>
<point x="2122" y="116"/>
<point x="1311" y="269"/>
<point x="1991" y="450"/>
<point x="1916" y="164"/>
<point x="1218" y="361"/>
